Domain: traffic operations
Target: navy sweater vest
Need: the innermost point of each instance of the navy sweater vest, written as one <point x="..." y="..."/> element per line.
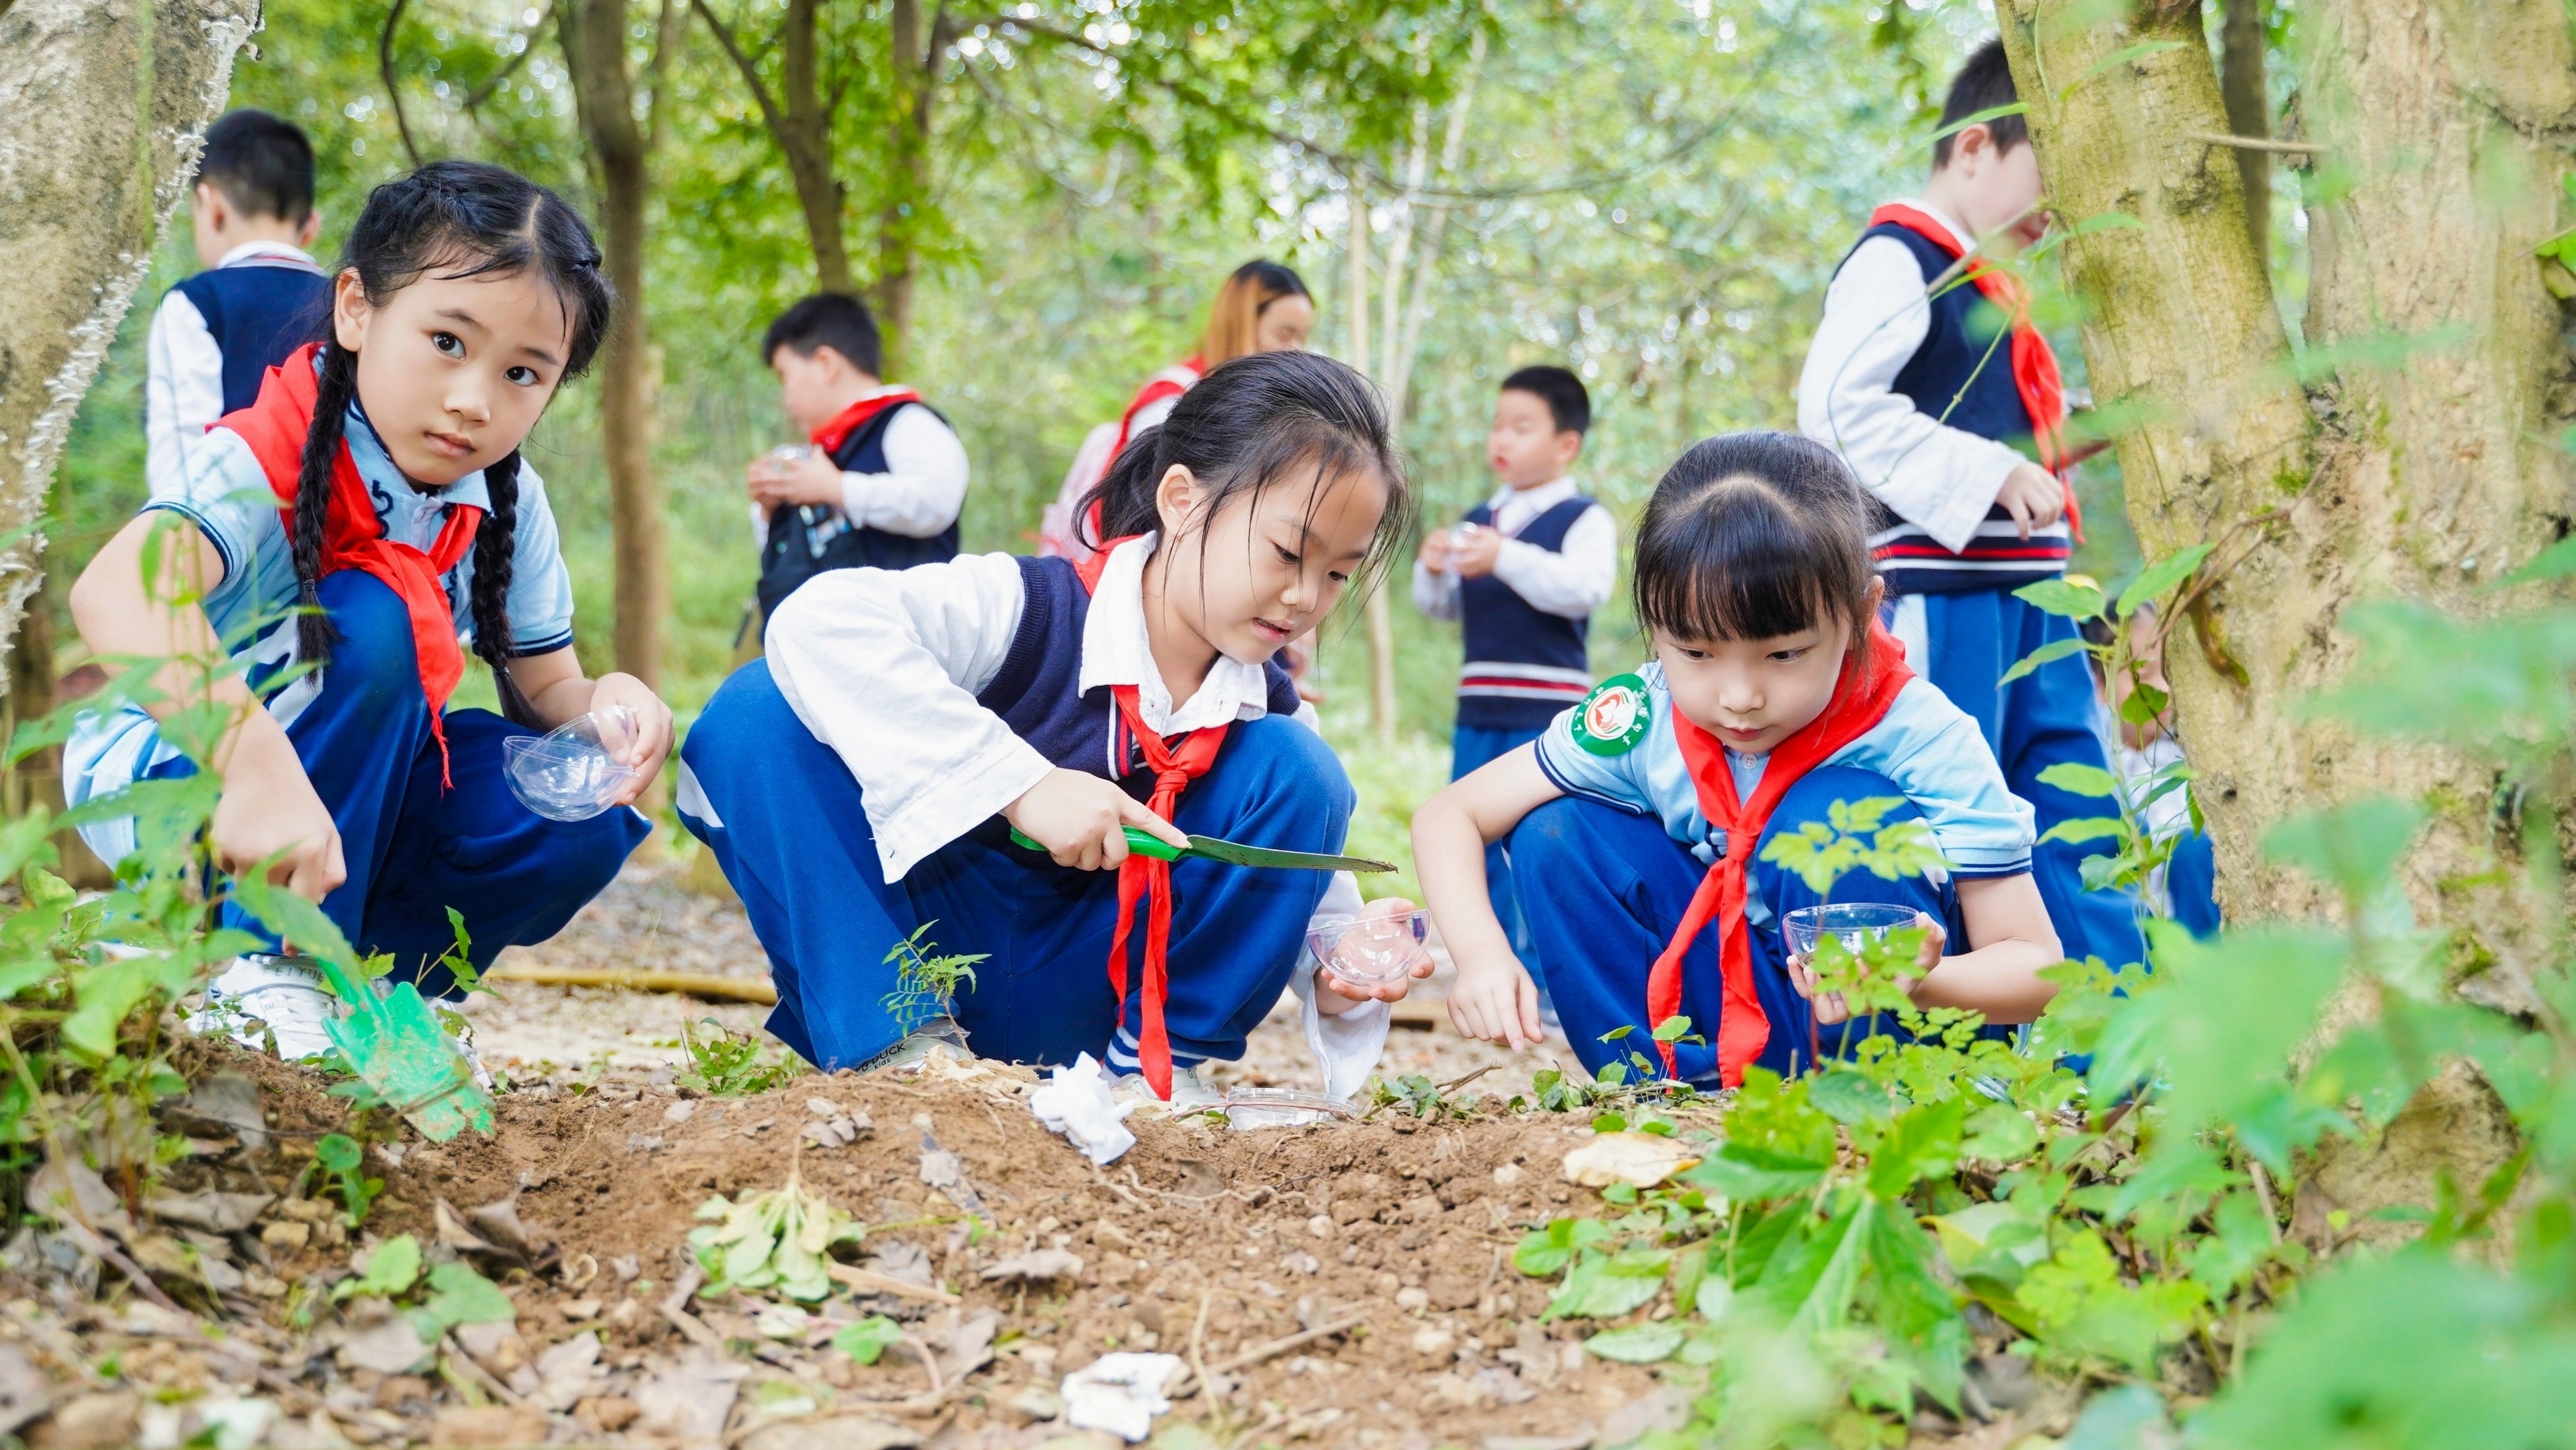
<point x="257" y="313"/>
<point x="1524" y="665"/>
<point x="1962" y="376"/>
<point x="1035" y="692"/>
<point x="807" y="540"/>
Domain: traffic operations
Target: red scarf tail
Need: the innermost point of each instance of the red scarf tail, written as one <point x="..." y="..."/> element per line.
<point x="1148" y="877"/>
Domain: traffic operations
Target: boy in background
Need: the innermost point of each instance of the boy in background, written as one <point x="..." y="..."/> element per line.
<point x="1522" y="575"/>
<point x="1929" y="377"/>
<point x="259" y="298"/>
<point x="885" y="479"/>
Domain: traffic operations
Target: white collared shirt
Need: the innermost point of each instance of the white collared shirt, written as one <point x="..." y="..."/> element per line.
<point x="1877" y="313"/>
<point x="922" y="490"/>
<point x="1570" y="582"/>
<point x="183" y="381"/>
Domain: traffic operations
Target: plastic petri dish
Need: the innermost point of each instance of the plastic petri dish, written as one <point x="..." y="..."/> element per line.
<point x="1370" y="950"/>
<point x="1254" y="1107"/>
<point x="1856" y="923"/>
<point x="568" y="773"/>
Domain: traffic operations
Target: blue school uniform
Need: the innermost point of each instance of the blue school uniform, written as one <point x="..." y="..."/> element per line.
<point x="849" y="784"/>
<point x="1626" y="847"/>
<point x="362" y="726"/>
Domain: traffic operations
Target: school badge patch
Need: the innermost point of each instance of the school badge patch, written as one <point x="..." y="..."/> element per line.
<point x="1614" y="717"/>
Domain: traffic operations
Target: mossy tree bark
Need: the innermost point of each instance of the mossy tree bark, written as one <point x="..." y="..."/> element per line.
<point x="2412" y="452"/>
<point x="106" y="103"/>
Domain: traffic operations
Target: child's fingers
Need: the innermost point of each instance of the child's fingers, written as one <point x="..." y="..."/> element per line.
<point x="1525" y="997"/>
<point x="1133" y="813"/>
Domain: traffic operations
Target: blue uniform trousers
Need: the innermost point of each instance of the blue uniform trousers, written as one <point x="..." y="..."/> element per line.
<point x="2191" y="884"/>
<point x="414" y="847"/>
<point x="2044" y="718"/>
<point x="789" y="827"/>
<point x="1617" y="888"/>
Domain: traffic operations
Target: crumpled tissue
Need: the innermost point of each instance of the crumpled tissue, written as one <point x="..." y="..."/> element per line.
<point x="1077" y="1104"/>
<point x="1120" y="1393"/>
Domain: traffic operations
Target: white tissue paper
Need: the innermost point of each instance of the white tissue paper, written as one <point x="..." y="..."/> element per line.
<point x="1077" y="1104"/>
<point x="1120" y="1393"/>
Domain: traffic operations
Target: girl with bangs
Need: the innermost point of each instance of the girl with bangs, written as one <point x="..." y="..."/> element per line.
<point x="1637" y="823"/>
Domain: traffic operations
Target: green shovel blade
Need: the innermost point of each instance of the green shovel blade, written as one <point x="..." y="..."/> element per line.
<point x="1209" y="848"/>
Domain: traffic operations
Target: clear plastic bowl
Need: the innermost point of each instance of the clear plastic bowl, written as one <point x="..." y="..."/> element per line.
<point x="1371" y="949"/>
<point x="568" y="774"/>
<point x="1254" y="1107"/>
<point x="1855" y="922"/>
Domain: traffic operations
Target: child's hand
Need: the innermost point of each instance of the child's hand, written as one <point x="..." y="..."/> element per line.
<point x="1392" y="991"/>
<point x="646" y="749"/>
<point x="1436" y="550"/>
<point x="1830" y="1008"/>
<point x="2033" y="496"/>
<point x="811" y="479"/>
<point x="269" y="807"/>
<point x="1082" y="820"/>
<point x="1477" y="549"/>
<point x="1497" y="1002"/>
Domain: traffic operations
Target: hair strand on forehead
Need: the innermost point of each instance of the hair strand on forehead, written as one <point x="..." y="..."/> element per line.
<point x="1752" y="536"/>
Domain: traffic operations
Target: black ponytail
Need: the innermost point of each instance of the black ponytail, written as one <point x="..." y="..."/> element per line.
<point x="333" y="392"/>
<point x="1246" y="424"/>
<point x="459" y="219"/>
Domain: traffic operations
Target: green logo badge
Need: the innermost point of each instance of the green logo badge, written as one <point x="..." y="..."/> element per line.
<point x="1614" y="717"/>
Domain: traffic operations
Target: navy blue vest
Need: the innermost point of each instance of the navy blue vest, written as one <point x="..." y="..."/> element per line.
<point x="1524" y="665"/>
<point x="806" y="540"/>
<point x="1962" y="376"/>
<point x="257" y="313"/>
<point x="1035" y="690"/>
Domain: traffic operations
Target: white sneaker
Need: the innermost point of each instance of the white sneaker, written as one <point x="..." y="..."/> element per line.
<point x="1191" y="1090"/>
<point x="939" y="1034"/>
<point x="270" y="1002"/>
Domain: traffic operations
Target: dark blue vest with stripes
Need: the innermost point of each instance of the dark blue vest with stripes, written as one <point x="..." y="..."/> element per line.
<point x="257" y="312"/>
<point x="1038" y="693"/>
<point x="1524" y="665"/>
<point x="810" y="538"/>
<point x="1961" y="375"/>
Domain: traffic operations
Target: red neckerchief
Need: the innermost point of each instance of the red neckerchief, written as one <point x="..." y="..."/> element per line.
<point x="1171" y="382"/>
<point x="851" y="419"/>
<point x="1743" y="1027"/>
<point x="1142" y="875"/>
<point x="274" y="426"/>
<point x="2034" y="362"/>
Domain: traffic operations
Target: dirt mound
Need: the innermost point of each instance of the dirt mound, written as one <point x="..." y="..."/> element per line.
<point x="1347" y="1284"/>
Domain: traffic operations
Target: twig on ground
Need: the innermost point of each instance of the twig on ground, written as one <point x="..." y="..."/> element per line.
<point x="869" y="1281"/>
<point x="473" y="1369"/>
<point x="2263" y="1193"/>
<point x="1278" y="1347"/>
<point x="708" y="985"/>
<point x="136" y="1276"/>
<point x="1103" y="1180"/>
<point x="1459" y="1082"/>
<point x="1198" y="1376"/>
<point x="675" y="1308"/>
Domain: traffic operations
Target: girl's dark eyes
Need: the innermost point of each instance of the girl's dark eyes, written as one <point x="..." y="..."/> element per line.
<point x="448" y="344"/>
<point x="1337" y="576"/>
<point x="523" y="375"/>
<point x="1788" y="656"/>
<point x="1286" y="556"/>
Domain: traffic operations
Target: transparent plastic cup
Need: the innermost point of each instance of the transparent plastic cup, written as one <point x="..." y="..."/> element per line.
<point x="569" y="773"/>
<point x="1255" y="1107"/>
<point x="1371" y="950"/>
<point x="1856" y="923"/>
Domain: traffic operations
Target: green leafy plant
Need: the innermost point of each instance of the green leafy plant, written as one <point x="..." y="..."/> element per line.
<point x="724" y="1063"/>
<point x="867" y="1339"/>
<point x="779" y="1240"/>
<point x="1419" y="1096"/>
<point x="925" y="985"/>
<point x="340" y="1161"/>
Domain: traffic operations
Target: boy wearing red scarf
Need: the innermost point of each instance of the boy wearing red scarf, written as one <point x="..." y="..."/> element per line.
<point x="1928" y="376"/>
<point x="884" y="480"/>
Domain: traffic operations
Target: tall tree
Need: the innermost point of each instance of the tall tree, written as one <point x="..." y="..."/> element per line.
<point x="2412" y="451"/>
<point x="620" y="149"/>
<point x="798" y="109"/>
<point x="2243" y="41"/>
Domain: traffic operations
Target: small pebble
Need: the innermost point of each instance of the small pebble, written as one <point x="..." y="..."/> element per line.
<point x="283" y="1234"/>
<point x="1321" y="1225"/>
<point x="823" y="1107"/>
<point x="1507" y="1176"/>
<point x="1410" y="1300"/>
<point x="1433" y="1342"/>
<point x="679" y="1112"/>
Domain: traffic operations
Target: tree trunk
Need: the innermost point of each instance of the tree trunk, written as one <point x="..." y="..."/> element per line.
<point x="2242" y="42"/>
<point x="1376" y="614"/>
<point x="106" y="102"/>
<point x="800" y="121"/>
<point x="911" y="63"/>
<point x="2443" y="126"/>
<point x="594" y="41"/>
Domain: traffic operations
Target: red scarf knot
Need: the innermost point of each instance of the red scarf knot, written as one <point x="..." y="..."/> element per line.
<point x="1872" y="677"/>
<point x="851" y="419"/>
<point x="2034" y="363"/>
<point x="275" y="426"/>
<point x="1174" y="767"/>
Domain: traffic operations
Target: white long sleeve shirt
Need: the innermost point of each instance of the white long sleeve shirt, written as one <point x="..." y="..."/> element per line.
<point x="1877" y="313"/>
<point x="183" y="379"/>
<point x="922" y="490"/>
<point x="1571" y="582"/>
<point x="884" y="667"/>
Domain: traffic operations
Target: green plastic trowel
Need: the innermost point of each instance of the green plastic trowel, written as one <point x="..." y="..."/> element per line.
<point x="391" y="1040"/>
<point x="1232" y="853"/>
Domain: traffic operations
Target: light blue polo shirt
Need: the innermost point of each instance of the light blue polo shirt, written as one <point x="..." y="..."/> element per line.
<point x="1926" y="746"/>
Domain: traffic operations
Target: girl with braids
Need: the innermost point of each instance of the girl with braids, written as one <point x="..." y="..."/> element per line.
<point x="349" y="525"/>
<point x="1773" y="695"/>
<point x="861" y="784"/>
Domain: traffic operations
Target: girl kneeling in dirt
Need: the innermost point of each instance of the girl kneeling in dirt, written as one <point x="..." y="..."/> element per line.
<point x="377" y="483"/>
<point x="1642" y="814"/>
<point x="863" y="782"/>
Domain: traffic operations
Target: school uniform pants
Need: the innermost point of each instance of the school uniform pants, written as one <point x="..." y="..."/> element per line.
<point x="1470" y="748"/>
<point x="2045" y="718"/>
<point x="2191" y="884"/>
<point x="1617" y="887"/>
<point x="788" y="824"/>
<point x="415" y="847"/>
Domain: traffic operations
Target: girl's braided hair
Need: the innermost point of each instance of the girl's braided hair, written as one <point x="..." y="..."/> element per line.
<point x="460" y="219"/>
